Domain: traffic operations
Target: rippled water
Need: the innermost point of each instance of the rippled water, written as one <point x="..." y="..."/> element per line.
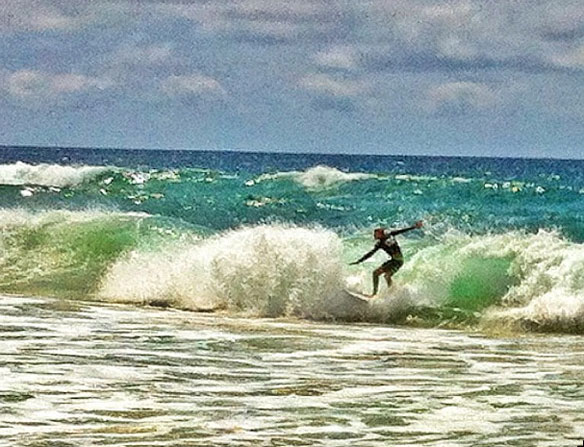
<point x="87" y="374"/>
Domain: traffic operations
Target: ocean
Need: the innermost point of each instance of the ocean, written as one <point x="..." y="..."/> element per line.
<point x="199" y="298"/>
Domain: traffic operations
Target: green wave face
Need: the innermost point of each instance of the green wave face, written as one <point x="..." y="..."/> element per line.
<point x="67" y="253"/>
<point x="481" y="283"/>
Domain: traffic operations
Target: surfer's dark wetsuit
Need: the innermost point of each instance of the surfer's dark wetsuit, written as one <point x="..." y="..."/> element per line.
<point x="387" y="243"/>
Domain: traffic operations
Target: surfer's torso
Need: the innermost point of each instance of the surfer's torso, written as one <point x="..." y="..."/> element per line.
<point x="390" y="246"/>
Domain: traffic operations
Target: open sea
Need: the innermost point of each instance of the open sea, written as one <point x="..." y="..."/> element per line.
<point x="192" y="298"/>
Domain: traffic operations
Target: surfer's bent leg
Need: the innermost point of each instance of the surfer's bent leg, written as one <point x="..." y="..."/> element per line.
<point x="388" y="279"/>
<point x="389" y="268"/>
<point x="376" y="274"/>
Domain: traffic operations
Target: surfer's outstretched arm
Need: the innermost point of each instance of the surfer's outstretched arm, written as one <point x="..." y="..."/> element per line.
<point x="366" y="256"/>
<point x="418" y="224"/>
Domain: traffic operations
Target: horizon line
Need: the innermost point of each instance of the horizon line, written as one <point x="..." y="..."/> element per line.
<point x="285" y="152"/>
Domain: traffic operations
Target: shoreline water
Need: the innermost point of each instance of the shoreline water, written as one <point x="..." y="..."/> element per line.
<point x="127" y="375"/>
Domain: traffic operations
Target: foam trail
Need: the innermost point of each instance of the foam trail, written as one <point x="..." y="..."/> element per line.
<point x="47" y="174"/>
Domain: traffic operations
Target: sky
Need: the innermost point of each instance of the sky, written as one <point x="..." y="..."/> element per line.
<point x="419" y="77"/>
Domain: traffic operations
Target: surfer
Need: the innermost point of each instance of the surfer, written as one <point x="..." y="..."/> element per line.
<point x="386" y="241"/>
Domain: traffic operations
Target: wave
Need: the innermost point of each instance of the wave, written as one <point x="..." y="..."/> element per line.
<point x="550" y="293"/>
<point x="317" y="177"/>
<point x="20" y="173"/>
<point x="106" y="178"/>
<point x="65" y="253"/>
<point x="515" y="280"/>
<point x="511" y="281"/>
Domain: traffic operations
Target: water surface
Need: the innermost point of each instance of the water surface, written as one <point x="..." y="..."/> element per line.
<point x="82" y="374"/>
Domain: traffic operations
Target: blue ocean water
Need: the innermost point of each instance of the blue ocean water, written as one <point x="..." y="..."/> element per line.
<point x="272" y="234"/>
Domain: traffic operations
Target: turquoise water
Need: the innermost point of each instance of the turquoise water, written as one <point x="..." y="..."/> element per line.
<point x="272" y="235"/>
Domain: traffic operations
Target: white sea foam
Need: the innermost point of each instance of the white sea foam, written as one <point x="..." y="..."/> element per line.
<point x="317" y="177"/>
<point x="268" y="270"/>
<point x="20" y="173"/>
<point x="324" y="177"/>
<point x="415" y="178"/>
<point x="545" y="276"/>
<point x="550" y="293"/>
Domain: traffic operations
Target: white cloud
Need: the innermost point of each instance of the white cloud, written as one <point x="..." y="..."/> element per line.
<point x="563" y="20"/>
<point x="298" y="8"/>
<point x="133" y="54"/>
<point x="141" y="71"/>
<point x="261" y="19"/>
<point x="459" y="97"/>
<point x="325" y="84"/>
<point x="138" y="68"/>
<point x="571" y="59"/>
<point x="37" y="87"/>
<point x="472" y="35"/>
<point x="38" y="15"/>
<point x="76" y="83"/>
<point x="44" y="20"/>
<point x="449" y="13"/>
<point x="62" y="15"/>
<point x="456" y="48"/>
<point x="422" y="22"/>
<point x="342" y="57"/>
<point x="192" y="85"/>
<point x="210" y="16"/>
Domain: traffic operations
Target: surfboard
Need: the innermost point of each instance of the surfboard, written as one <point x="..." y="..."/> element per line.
<point x="358" y="295"/>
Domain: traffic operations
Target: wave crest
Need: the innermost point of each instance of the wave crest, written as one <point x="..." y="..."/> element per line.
<point x="20" y="173"/>
<point x="318" y="177"/>
<point x="269" y="270"/>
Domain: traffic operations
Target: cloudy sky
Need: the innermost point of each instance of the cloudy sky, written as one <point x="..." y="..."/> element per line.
<point x="464" y="77"/>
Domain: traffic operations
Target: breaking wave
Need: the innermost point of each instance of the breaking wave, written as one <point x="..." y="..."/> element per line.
<point x="268" y="270"/>
<point x="515" y="280"/>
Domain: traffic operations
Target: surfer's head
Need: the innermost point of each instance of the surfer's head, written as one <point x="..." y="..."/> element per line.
<point x="379" y="233"/>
